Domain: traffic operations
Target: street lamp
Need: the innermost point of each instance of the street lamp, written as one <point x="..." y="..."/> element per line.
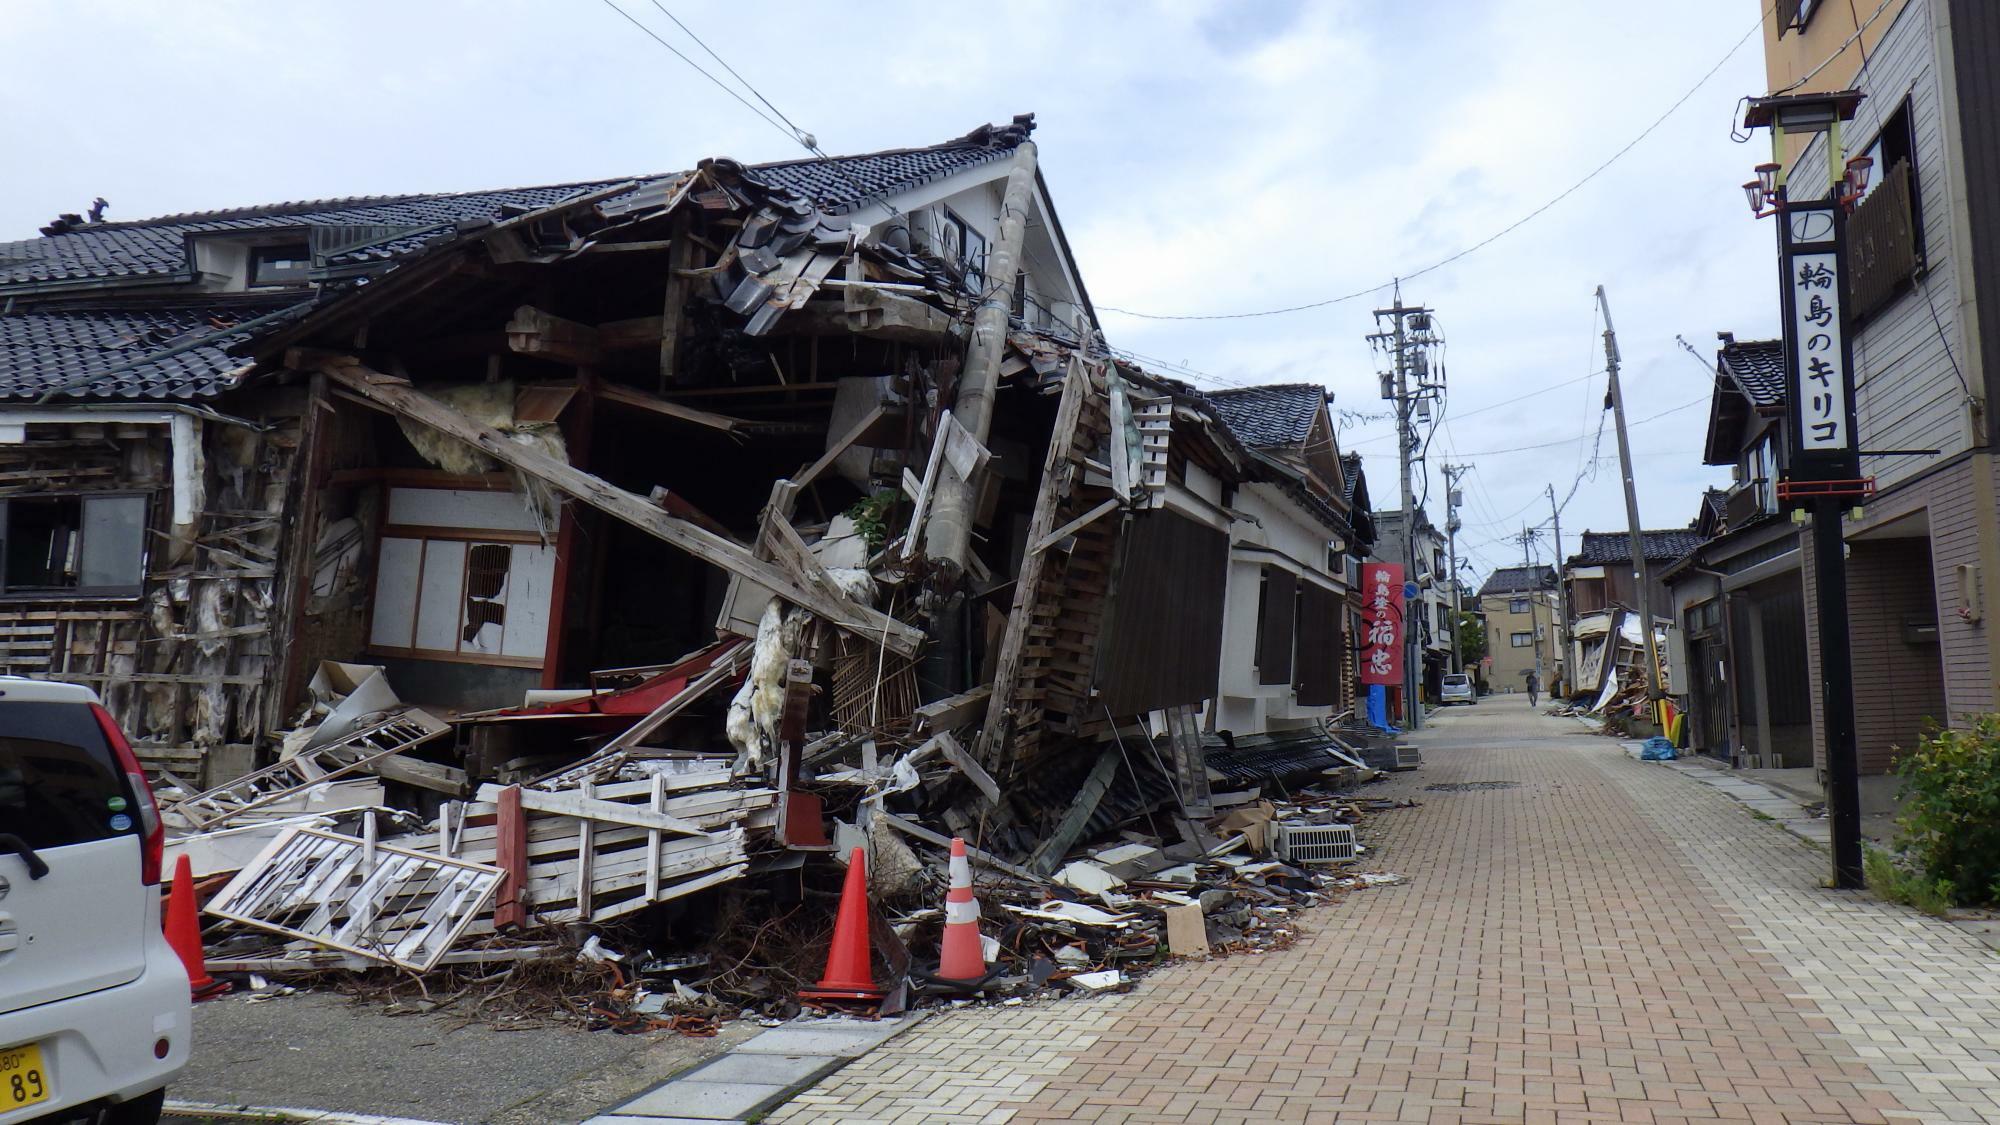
<point x="1823" y="470"/>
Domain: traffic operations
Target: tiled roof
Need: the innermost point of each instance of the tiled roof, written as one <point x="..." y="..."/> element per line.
<point x="1757" y="366"/>
<point x="846" y="182"/>
<point x="1350" y="476"/>
<point x="128" y="251"/>
<point x="1616" y="546"/>
<point x="41" y="350"/>
<point x="1715" y="503"/>
<point x="1519" y="580"/>
<point x="157" y="248"/>
<point x="1271" y="415"/>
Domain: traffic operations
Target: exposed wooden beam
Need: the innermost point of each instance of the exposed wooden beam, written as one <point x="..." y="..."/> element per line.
<point x="398" y="396"/>
<point x="673" y="304"/>
<point x="634" y="397"/>
<point x="840" y="446"/>
<point x="1076" y="388"/>
<point x="545" y="335"/>
<point x="1075" y="525"/>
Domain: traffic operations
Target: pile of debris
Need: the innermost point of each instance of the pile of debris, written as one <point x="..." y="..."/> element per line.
<point x="518" y="898"/>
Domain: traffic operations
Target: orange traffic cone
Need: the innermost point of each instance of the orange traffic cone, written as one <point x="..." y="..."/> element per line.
<point x="848" y="975"/>
<point x="961" y="958"/>
<point x="183" y="928"/>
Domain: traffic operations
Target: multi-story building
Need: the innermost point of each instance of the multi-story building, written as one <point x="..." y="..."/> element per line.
<point x="1523" y="627"/>
<point x="1921" y="80"/>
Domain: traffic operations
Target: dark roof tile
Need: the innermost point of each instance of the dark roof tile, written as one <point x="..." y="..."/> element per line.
<point x="1519" y="580"/>
<point x="1758" y="367"/>
<point x="1272" y="415"/>
<point x="41" y="350"/>
<point x="1601" y="547"/>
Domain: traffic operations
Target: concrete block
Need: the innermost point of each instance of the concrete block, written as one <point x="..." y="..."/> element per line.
<point x="703" y="1101"/>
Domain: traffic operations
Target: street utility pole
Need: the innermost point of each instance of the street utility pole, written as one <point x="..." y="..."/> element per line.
<point x="1639" y="567"/>
<point x="1534" y="619"/>
<point x="1451" y="525"/>
<point x="949" y="535"/>
<point x="1409" y="330"/>
<point x="1562" y="590"/>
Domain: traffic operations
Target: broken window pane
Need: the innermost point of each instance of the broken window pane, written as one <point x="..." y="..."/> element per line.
<point x="114" y="543"/>
<point x="486" y="566"/>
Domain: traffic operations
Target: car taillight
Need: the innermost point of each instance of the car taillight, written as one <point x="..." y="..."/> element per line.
<point x="153" y="834"/>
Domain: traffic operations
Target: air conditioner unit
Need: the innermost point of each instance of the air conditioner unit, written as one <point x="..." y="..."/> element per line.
<point x="1408" y="758"/>
<point x="1313" y="843"/>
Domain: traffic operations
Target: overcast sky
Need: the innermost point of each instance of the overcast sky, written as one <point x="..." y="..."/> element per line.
<point x="1204" y="157"/>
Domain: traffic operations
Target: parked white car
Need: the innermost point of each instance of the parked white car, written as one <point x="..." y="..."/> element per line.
<point x="1458" y="689"/>
<point x="94" y="1009"/>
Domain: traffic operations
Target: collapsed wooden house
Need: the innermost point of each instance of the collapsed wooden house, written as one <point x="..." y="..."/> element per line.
<point x="565" y="461"/>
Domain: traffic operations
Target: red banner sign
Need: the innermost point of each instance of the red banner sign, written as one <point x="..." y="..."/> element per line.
<point x="1382" y="602"/>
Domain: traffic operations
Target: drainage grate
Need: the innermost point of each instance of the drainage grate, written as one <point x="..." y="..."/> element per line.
<point x="1470" y="786"/>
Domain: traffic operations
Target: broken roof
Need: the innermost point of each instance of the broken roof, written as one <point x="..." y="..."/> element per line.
<point x="1271" y="415"/>
<point x="131" y="251"/>
<point x="1519" y="580"/>
<point x="134" y="251"/>
<point x="42" y="350"/>
<point x="182" y="347"/>
<point x="1600" y="547"/>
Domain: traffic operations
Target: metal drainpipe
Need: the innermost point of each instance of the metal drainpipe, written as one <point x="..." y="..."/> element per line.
<point x="949" y="536"/>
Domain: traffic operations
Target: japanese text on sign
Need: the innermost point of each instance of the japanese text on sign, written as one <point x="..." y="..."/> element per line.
<point x="1820" y="391"/>
<point x="1382" y="614"/>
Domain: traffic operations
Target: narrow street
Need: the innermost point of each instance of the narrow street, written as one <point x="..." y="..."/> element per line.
<point x="1583" y="937"/>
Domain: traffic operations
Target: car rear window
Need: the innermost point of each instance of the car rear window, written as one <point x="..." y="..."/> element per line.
<point x="59" y="782"/>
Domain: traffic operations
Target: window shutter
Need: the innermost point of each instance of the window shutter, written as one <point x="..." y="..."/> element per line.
<point x="1274" y="638"/>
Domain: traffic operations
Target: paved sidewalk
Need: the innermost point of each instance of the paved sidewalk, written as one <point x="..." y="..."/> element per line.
<point x="1600" y="939"/>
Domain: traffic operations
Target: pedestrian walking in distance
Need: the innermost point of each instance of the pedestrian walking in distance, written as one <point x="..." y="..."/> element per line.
<point x="1534" y="686"/>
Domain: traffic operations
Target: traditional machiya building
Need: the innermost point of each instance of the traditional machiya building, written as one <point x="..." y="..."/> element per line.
<point x="574" y="436"/>
<point x="1739" y="663"/>
<point x="1288" y="635"/>
<point x="1923" y="553"/>
<point x="1523" y="627"/>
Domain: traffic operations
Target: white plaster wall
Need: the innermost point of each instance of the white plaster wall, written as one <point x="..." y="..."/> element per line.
<point x="1300" y="543"/>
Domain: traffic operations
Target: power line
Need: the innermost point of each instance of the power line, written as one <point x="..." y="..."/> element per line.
<point x="1522" y="397"/>
<point x="803" y="138"/>
<point x="719" y="83"/>
<point x="1489" y="239"/>
<point x="800" y="135"/>
<point x="1579" y="437"/>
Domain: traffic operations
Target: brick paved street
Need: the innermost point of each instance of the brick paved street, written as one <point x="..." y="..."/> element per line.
<point x="1604" y="941"/>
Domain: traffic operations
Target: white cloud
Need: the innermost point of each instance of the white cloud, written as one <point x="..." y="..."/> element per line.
<point x="1205" y="157"/>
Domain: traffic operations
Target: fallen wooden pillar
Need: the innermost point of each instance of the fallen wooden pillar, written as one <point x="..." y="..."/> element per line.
<point x="397" y="396"/>
<point x="953" y="711"/>
<point x="1048" y="498"/>
<point x="510" y="907"/>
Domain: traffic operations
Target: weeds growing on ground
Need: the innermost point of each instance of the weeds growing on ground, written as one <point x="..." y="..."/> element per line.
<point x="1896" y="883"/>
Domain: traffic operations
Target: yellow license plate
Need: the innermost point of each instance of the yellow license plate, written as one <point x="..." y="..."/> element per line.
<point x="23" y="1081"/>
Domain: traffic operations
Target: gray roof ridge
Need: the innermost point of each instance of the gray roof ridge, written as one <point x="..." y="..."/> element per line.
<point x="335" y="203"/>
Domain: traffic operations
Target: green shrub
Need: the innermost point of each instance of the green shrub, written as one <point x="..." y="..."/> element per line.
<point x="1951" y="810"/>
